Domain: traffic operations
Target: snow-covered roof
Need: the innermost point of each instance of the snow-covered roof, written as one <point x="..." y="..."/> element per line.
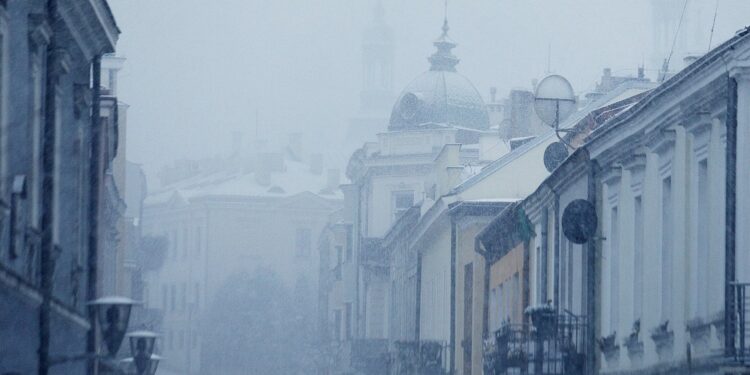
<point x="235" y="182"/>
<point x="626" y="90"/>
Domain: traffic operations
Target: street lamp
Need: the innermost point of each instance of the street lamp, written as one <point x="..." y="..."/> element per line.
<point x="153" y="364"/>
<point x="142" y="345"/>
<point x="113" y="315"/>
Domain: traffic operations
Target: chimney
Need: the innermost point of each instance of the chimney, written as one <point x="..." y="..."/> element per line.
<point x="641" y="74"/>
<point x="316" y="164"/>
<point x="607" y="72"/>
<point x="493" y="94"/>
<point x="332" y="179"/>
<point x="689" y="59"/>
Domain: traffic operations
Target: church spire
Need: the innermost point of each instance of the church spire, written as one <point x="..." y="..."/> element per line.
<point x="443" y="59"/>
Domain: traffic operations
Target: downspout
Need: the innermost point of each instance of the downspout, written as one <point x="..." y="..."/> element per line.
<point x="453" y="300"/>
<point x="730" y="212"/>
<point x="94" y="193"/>
<point x="48" y="212"/>
<point x="357" y="265"/>
<point x="418" y="312"/>
<point x="591" y="280"/>
<point x="486" y="294"/>
<point x="543" y="255"/>
<point x="556" y="292"/>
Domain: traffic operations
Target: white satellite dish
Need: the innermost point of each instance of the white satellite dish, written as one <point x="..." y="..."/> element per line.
<point x="554" y="100"/>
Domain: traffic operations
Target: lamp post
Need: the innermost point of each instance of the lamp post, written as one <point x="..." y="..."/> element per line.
<point x="153" y="364"/>
<point x="112" y="317"/>
<point x="142" y="344"/>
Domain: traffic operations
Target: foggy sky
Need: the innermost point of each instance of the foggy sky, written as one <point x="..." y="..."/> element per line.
<point x="197" y="70"/>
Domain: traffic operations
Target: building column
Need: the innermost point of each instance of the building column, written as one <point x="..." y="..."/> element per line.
<point x="742" y="229"/>
<point x="651" y="253"/>
<point x="680" y="264"/>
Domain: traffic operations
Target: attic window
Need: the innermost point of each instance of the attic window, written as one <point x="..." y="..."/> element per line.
<point x="277" y="190"/>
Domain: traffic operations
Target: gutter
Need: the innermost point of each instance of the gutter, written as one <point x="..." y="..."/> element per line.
<point x="730" y="216"/>
<point x="453" y="300"/>
<point x="93" y="209"/>
<point x="592" y="258"/>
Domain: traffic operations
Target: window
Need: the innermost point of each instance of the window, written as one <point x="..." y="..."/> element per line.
<point x="303" y="241"/>
<point x="638" y="258"/>
<point x="349" y="246"/>
<point x="666" y="248"/>
<point x="170" y="341"/>
<point x="400" y="202"/>
<point x="181" y="340"/>
<point x="195" y="339"/>
<point x="614" y="272"/>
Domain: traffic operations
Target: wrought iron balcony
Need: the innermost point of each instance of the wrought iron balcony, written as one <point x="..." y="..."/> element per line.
<point x="555" y="344"/>
<point x="419" y="358"/>
<point x="738" y="354"/>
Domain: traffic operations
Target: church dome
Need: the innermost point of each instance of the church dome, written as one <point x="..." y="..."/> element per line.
<point x="441" y="95"/>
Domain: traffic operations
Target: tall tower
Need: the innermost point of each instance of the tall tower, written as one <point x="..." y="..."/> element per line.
<point x="377" y="63"/>
<point x="376" y="96"/>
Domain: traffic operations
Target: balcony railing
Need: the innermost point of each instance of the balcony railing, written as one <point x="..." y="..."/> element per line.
<point x="426" y="357"/>
<point x="554" y="344"/>
<point x="739" y="325"/>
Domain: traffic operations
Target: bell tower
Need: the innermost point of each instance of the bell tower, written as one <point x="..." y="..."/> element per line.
<point x="377" y="64"/>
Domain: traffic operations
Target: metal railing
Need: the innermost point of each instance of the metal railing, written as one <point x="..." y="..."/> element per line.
<point x="427" y="357"/>
<point x="554" y="345"/>
<point x="739" y="324"/>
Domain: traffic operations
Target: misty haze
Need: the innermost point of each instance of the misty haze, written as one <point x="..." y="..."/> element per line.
<point x="374" y="187"/>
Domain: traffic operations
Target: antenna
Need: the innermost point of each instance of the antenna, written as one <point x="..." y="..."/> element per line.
<point x="445" y="14"/>
<point x="674" y="41"/>
<point x="549" y="58"/>
<point x="713" y="25"/>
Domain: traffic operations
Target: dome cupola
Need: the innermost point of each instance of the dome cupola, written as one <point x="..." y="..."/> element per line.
<point x="440" y="96"/>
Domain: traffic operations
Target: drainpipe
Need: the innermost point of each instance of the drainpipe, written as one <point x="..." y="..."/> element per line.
<point x="93" y="212"/>
<point x="486" y="294"/>
<point x="48" y="183"/>
<point x="418" y="316"/>
<point x="453" y="300"/>
<point x="556" y="290"/>
<point x="543" y="255"/>
<point x="730" y="212"/>
<point x="591" y="280"/>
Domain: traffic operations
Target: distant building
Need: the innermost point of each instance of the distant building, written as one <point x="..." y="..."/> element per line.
<point x="51" y="179"/>
<point x="376" y="97"/>
<point x="227" y="215"/>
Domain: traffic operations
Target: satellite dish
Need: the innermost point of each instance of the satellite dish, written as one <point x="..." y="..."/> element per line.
<point x="554" y="100"/>
<point x="554" y="155"/>
<point x="579" y="221"/>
